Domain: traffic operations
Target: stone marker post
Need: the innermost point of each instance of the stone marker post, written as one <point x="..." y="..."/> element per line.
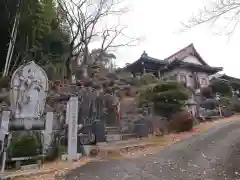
<point x="5" y="121"/>
<point x="72" y="128"/>
<point x="67" y="113"/>
<point x="48" y="130"/>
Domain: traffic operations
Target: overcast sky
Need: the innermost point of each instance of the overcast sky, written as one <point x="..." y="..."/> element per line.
<point x="158" y="21"/>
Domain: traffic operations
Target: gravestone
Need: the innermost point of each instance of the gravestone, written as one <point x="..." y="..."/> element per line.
<point x="72" y="115"/>
<point x="99" y="131"/>
<point x="141" y="128"/>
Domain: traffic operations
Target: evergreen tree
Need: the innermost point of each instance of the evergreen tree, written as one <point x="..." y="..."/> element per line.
<point x="168" y="97"/>
<point x="40" y="36"/>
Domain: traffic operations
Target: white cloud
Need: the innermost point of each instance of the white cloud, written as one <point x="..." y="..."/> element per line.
<point x="159" y="22"/>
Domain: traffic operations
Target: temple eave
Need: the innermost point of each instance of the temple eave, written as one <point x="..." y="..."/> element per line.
<point x="193" y="67"/>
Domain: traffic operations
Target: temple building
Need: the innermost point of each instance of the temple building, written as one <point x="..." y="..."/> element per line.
<point x="185" y="66"/>
<point x="146" y="64"/>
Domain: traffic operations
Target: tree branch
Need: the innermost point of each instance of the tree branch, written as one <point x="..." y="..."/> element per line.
<point x="85" y="18"/>
<point x="227" y="10"/>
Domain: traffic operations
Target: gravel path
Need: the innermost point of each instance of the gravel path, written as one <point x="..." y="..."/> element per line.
<point x="213" y="155"/>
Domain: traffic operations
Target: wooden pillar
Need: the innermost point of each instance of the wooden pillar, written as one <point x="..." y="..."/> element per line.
<point x="138" y="75"/>
<point x="133" y="74"/>
<point x="143" y="67"/>
<point x="159" y="74"/>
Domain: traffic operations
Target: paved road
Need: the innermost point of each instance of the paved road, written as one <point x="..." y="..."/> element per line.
<point x="214" y="155"/>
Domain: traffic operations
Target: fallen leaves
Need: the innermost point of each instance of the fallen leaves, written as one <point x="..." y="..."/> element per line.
<point x="50" y="171"/>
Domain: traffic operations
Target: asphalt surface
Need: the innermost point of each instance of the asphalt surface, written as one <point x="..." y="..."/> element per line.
<point x="214" y="155"/>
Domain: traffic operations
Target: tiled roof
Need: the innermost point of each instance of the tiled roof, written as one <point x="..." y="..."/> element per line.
<point x="176" y="59"/>
<point x="184" y="52"/>
<point x="190" y="65"/>
<point x="151" y="59"/>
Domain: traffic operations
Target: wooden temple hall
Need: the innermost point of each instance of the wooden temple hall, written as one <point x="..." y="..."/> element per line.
<point x="186" y="66"/>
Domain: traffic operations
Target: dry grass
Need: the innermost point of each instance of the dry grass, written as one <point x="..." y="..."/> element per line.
<point x="50" y="170"/>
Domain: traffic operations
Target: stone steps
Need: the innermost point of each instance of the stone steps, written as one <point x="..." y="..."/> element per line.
<point x="113" y="134"/>
<point x="112" y="130"/>
<point x="119" y="137"/>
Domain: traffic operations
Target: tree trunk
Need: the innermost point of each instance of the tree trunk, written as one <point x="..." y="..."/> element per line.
<point x="68" y="63"/>
<point x="68" y="68"/>
<point x="85" y="71"/>
<point x="85" y="62"/>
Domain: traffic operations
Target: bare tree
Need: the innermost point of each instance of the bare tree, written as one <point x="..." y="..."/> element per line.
<point x="85" y="20"/>
<point x="225" y="12"/>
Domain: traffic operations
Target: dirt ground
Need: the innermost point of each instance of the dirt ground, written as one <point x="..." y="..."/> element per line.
<point x="51" y="170"/>
<point x="210" y="152"/>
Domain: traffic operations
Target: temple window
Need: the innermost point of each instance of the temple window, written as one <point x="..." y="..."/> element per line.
<point x="79" y="61"/>
<point x="182" y="78"/>
<point x="203" y="82"/>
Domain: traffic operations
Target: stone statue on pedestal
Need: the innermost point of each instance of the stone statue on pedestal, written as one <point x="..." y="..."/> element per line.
<point x="29" y="86"/>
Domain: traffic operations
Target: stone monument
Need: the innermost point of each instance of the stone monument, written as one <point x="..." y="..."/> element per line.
<point x="72" y="120"/>
<point x="29" y="87"/>
<point x="48" y="131"/>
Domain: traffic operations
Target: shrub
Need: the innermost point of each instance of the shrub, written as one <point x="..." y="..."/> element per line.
<point x="135" y="82"/>
<point x="24" y="146"/>
<point x="209" y="104"/>
<point x="52" y="151"/>
<point x="131" y="92"/>
<point x="221" y="88"/>
<point x="148" y="78"/>
<point x="168" y="97"/>
<point x="225" y="101"/>
<point x="121" y="94"/>
<point x="145" y="94"/>
<point x="181" y="121"/>
<point x="236" y="106"/>
<point x="123" y="75"/>
<point x="5" y="82"/>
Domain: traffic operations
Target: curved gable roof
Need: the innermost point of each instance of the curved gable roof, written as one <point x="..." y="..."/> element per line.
<point x="183" y="53"/>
